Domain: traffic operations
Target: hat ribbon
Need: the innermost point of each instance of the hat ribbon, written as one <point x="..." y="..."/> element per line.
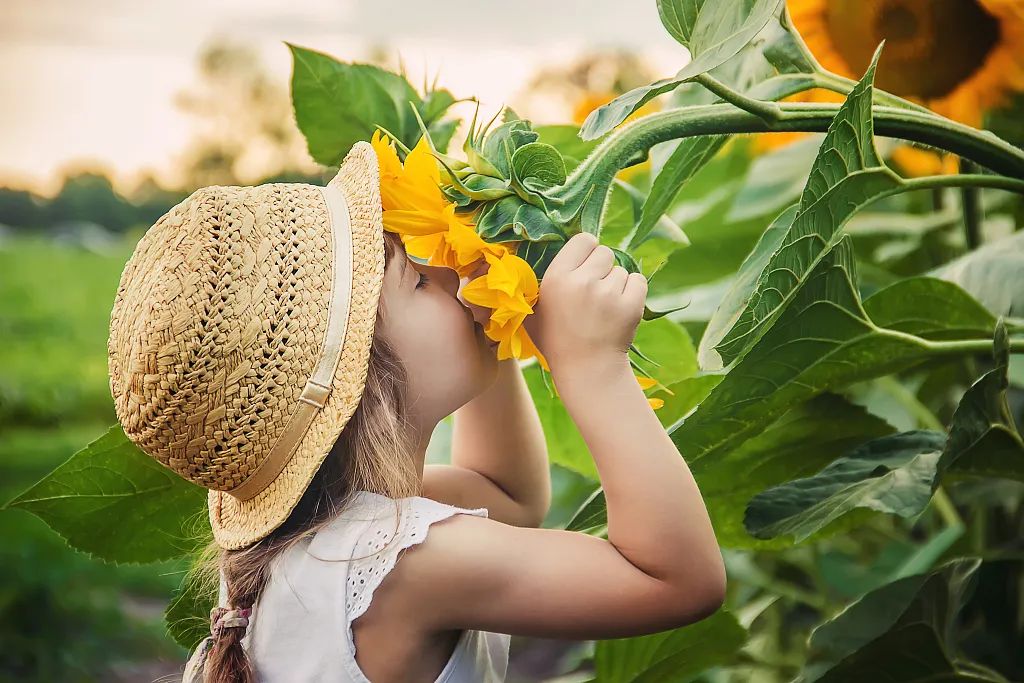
<point x="318" y="386"/>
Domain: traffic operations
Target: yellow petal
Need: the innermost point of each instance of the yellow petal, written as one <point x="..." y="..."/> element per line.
<point x="646" y="382"/>
<point x="413" y="222"/>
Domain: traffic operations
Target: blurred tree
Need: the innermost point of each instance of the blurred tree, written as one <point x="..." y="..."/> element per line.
<point x="89" y="195"/>
<point x="248" y="130"/>
<point x="568" y="92"/>
<point x="21" y="208"/>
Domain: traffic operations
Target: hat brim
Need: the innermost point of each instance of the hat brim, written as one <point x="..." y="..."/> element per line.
<point x="239" y="523"/>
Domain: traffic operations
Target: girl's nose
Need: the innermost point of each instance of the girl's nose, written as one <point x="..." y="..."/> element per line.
<point x="481" y="314"/>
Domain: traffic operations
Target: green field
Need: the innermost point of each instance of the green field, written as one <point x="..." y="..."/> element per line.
<point x="63" y="615"/>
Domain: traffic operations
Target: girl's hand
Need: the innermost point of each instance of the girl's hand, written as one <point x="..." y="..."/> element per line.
<point x="588" y="306"/>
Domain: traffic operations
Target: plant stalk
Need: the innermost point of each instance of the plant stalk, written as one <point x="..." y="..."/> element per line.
<point x="595" y="174"/>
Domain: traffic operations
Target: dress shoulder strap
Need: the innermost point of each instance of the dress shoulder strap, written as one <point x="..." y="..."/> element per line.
<point x="378" y="547"/>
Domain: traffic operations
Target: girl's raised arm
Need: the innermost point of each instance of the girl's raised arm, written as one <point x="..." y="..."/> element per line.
<point x="660" y="567"/>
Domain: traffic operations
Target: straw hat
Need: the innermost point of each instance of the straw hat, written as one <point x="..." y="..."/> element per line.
<point x="240" y="337"/>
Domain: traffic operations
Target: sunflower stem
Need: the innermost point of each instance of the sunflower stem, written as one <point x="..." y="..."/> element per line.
<point x="974" y="212"/>
<point x="768" y="111"/>
<point x="595" y="174"/>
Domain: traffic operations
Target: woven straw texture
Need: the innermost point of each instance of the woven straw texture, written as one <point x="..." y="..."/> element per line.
<point x="219" y="320"/>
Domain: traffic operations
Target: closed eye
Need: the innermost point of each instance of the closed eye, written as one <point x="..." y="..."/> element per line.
<point x="423" y="280"/>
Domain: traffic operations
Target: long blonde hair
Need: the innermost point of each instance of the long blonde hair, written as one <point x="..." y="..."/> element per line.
<point x="373" y="453"/>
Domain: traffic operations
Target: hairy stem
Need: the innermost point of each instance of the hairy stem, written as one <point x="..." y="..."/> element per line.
<point x="595" y="174"/>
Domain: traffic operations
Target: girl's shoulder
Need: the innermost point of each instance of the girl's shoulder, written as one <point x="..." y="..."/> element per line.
<point x="369" y="535"/>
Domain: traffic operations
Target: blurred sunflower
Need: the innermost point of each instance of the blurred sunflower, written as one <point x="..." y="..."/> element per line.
<point x="590" y="100"/>
<point x="415" y="208"/>
<point x="960" y="58"/>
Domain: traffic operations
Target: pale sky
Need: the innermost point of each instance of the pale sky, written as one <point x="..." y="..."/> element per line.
<point x="95" y="79"/>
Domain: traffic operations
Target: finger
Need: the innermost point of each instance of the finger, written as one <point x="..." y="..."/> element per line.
<point x="636" y="286"/>
<point x="573" y="253"/>
<point x="616" y="279"/>
<point x="598" y="263"/>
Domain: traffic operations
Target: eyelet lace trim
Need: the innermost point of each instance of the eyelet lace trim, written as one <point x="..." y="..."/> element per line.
<point x="366" y="574"/>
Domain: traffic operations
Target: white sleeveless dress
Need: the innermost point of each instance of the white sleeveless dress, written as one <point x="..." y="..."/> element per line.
<point x="301" y="626"/>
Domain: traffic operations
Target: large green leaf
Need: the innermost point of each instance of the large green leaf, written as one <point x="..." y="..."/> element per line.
<point x="993" y="274"/>
<point x="823" y="341"/>
<point x="897" y="474"/>
<point x="713" y="32"/>
<point x="188" y="614"/>
<point x="689" y="156"/>
<point x="894" y="474"/>
<point x="113" y="501"/>
<point x="903" y="631"/>
<point x="337" y="104"/>
<point x="670" y="656"/>
<point x="732" y="304"/>
<point x="797" y="444"/>
<point x="846" y="175"/>
<point x="983" y="439"/>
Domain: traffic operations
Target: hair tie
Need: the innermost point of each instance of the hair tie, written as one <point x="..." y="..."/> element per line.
<point x="222" y="618"/>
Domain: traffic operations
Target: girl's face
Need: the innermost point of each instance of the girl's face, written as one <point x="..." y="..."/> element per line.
<point x="446" y="354"/>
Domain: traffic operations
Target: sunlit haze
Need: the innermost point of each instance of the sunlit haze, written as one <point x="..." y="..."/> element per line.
<point x="92" y="83"/>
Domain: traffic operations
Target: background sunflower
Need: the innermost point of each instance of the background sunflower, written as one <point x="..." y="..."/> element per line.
<point x="960" y="58"/>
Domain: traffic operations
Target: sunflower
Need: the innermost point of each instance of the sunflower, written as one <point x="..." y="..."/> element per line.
<point x="960" y="58"/>
<point x="415" y="208"/>
<point x="510" y="288"/>
<point x="591" y="100"/>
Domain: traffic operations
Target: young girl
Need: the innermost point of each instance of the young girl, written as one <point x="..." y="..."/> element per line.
<point x="275" y="345"/>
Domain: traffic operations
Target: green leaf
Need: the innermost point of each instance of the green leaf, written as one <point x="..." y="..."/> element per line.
<point x="823" y="340"/>
<point x="534" y="225"/>
<point x="713" y="32"/>
<point x="539" y="162"/>
<point x="113" y="501"/>
<point x="901" y="631"/>
<point x="846" y="175"/>
<point x="993" y="274"/>
<point x="741" y="286"/>
<point x="188" y="614"/>
<point x="930" y="309"/>
<point x="689" y="156"/>
<point x="775" y="179"/>
<point x="983" y="439"/>
<point x="676" y="655"/>
<point x="806" y="438"/>
<point x="897" y="474"/>
<point x="501" y="144"/>
<point x="893" y="474"/>
<point x="337" y="104"/>
<point x="497" y="216"/>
